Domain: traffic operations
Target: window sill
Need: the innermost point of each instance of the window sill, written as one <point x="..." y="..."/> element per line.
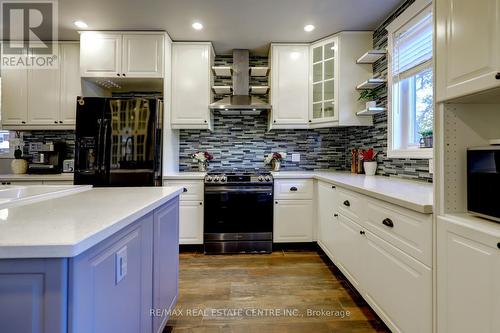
<point x="421" y="153"/>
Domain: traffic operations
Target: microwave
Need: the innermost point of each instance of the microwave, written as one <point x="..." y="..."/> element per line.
<point x="483" y="182"/>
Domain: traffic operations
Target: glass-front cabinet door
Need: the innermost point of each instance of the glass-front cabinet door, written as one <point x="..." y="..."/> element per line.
<point x="324" y="81"/>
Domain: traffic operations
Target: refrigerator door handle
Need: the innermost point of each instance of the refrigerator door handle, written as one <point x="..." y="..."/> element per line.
<point x="103" y="162"/>
<point x="99" y="131"/>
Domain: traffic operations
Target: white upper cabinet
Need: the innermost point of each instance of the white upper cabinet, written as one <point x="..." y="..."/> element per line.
<point x="42" y="98"/>
<point x="468" y="47"/>
<point x="143" y="55"/>
<point x="191" y="85"/>
<point x="109" y="54"/>
<point x="289" y="85"/>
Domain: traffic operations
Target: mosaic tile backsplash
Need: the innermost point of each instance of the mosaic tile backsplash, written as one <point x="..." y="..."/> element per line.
<point x="50" y="136"/>
<point x="242" y="141"/>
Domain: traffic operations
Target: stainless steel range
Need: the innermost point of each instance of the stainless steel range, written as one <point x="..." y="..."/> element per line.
<point x="238" y="211"/>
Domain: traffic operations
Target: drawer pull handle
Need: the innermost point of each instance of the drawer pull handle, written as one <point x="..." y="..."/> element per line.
<point x="361" y="232"/>
<point x="333" y="186"/>
<point x="497" y="76"/>
<point x="293" y="189"/>
<point x="388" y="223"/>
<point x="184" y="190"/>
<point x="498" y="245"/>
<point x="347" y="203"/>
<point x="335" y="215"/>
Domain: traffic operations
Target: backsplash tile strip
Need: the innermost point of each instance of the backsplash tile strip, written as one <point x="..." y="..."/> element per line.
<point x="50" y="136"/>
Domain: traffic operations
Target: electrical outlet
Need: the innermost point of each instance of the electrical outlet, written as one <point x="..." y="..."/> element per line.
<point x="431" y="166"/>
<point x="121" y="264"/>
<point x="295" y="157"/>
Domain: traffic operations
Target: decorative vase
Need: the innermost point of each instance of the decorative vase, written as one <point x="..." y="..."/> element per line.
<point x="370" y="168"/>
<point x="276" y="165"/>
<point x="202" y="166"/>
<point x="19" y="166"/>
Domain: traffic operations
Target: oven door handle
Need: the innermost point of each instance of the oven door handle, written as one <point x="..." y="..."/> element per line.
<point x="238" y="190"/>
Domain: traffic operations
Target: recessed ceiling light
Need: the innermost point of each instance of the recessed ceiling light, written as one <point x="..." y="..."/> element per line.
<point x="197" y="26"/>
<point x="81" y="24"/>
<point x="309" y="28"/>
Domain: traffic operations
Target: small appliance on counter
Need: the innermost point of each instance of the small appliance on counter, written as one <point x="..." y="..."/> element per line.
<point x="68" y="166"/>
<point x="47" y="158"/>
<point x="483" y="181"/>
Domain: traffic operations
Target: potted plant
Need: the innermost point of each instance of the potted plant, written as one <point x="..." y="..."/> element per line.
<point x="19" y="165"/>
<point x="426" y="141"/>
<point x="369" y="161"/>
<point x="369" y="96"/>
<point x="202" y="158"/>
<point x="275" y="160"/>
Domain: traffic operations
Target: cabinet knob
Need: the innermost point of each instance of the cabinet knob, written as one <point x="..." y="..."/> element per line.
<point x="60" y="121"/>
<point x="498" y="245"/>
<point x="310" y="120"/>
<point x="334" y="186"/>
<point x="55" y="121"/>
<point x="293" y="189"/>
<point x="123" y="74"/>
<point x="184" y="190"/>
<point x="361" y="232"/>
<point x="276" y="202"/>
<point x="388" y="222"/>
<point x="201" y="203"/>
<point x="347" y="203"/>
<point x="335" y="215"/>
<point x="205" y="121"/>
<point x="23" y="122"/>
<point x="117" y="74"/>
<point x="274" y="121"/>
<point x="497" y="76"/>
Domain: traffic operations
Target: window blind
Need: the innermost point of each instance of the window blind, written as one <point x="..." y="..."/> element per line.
<point x="412" y="45"/>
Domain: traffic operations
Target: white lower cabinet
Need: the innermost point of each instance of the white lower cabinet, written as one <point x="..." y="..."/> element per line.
<point x="293" y="221"/>
<point x="191" y="222"/>
<point x="326" y="196"/>
<point x="468" y="283"/>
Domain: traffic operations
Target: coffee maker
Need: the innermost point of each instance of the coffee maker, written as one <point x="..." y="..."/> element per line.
<point x="47" y="157"/>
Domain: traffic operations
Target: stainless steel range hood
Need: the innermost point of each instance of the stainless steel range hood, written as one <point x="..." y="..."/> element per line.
<point x="240" y="102"/>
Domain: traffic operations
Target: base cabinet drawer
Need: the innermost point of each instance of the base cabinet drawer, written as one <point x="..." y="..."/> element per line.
<point x="351" y="204"/>
<point x="293" y="221"/>
<point x="294" y="189"/>
<point x="398" y="287"/>
<point x="191" y="222"/>
<point x="193" y="190"/>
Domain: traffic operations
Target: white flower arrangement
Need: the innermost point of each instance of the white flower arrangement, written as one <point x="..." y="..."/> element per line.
<point x="274" y="156"/>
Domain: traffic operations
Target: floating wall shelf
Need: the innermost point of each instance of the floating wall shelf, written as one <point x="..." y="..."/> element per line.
<point x="371" y="56"/>
<point x="222" y="71"/>
<point x="259" y="71"/>
<point x="259" y="90"/>
<point x="222" y="90"/>
<point x="371" y="84"/>
<point x="371" y="111"/>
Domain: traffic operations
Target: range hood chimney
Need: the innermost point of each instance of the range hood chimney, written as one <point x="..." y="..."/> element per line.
<point x="240" y="102"/>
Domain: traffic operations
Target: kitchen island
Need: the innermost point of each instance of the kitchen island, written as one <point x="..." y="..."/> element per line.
<point x="97" y="260"/>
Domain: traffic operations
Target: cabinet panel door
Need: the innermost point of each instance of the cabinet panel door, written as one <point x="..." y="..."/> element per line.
<point x="191" y="81"/>
<point x="326" y="210"/>
<point x="100" y="54"/>
<point x="398" y="287"/>
<point x="290" y="84"/>
<point x="293" y="221"/>
<point x="468" y="46"/>
<point x="70" y="82"/>
<point x="143" y="55"/>
<point x="191" y="222"/>
<point x="468" y="280"/>
<point x="43" y="96"/>
<point x="14" y="96"/>
<point x="347" y="245"/>
<point x="166" y="260"/>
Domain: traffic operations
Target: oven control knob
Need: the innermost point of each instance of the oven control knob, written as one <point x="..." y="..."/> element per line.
<point x="268" y="178"/>
<point x="209" y="178"/>
<point x="216" y="178"/>
<point x="223" y="179"/>
<point x="261" y="179"/>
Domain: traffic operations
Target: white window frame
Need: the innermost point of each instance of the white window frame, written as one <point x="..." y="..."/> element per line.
<point x="410" y="13"/>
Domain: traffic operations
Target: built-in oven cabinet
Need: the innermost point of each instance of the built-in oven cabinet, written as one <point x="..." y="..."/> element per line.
<point x="293" y="210"/>
<point x="468" y="276"/>
<point x="191" y="210"/>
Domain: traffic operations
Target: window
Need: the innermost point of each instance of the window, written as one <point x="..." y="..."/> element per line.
<point x="4" y="142"/>
<point x="410" y="82"/>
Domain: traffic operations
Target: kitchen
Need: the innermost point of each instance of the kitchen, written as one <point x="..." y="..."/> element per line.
<point x="273" y="166"/>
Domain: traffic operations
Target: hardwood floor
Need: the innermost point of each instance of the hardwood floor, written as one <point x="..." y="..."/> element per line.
<point x="225" y="294"/>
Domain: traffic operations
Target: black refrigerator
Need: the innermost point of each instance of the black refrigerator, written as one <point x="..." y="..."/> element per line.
<point x="118" y="141"/>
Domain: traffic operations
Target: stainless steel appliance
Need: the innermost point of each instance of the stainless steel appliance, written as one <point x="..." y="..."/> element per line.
<point x="238" y="212"/>
<point x="118" y="141"/>
<point x="483" y="182"/>
<point x="46" y="157"/>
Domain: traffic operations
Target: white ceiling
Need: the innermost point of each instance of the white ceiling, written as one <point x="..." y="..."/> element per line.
<point x="229" y="24"/>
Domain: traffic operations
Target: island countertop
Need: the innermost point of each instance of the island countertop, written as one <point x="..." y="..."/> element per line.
<point x="69" y="225"/>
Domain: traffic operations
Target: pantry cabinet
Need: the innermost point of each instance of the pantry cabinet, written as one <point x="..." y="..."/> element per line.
<point x="467" y="47"/>
<point x="122" y="54"/>
<point x="468" y="283"/>
<point x="42" y="98"/>
<point x="289" y="80"/>
<point x="191" y="85"/>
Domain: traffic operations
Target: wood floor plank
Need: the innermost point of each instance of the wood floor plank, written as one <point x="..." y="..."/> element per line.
<point x="286" y="291"/>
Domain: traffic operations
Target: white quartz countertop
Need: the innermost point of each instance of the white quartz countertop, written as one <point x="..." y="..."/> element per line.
<point x="69" y="225"/>
<point x="184" y="175"/>
<point x="33" y="177"/>
<point x="414" y="195"/>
